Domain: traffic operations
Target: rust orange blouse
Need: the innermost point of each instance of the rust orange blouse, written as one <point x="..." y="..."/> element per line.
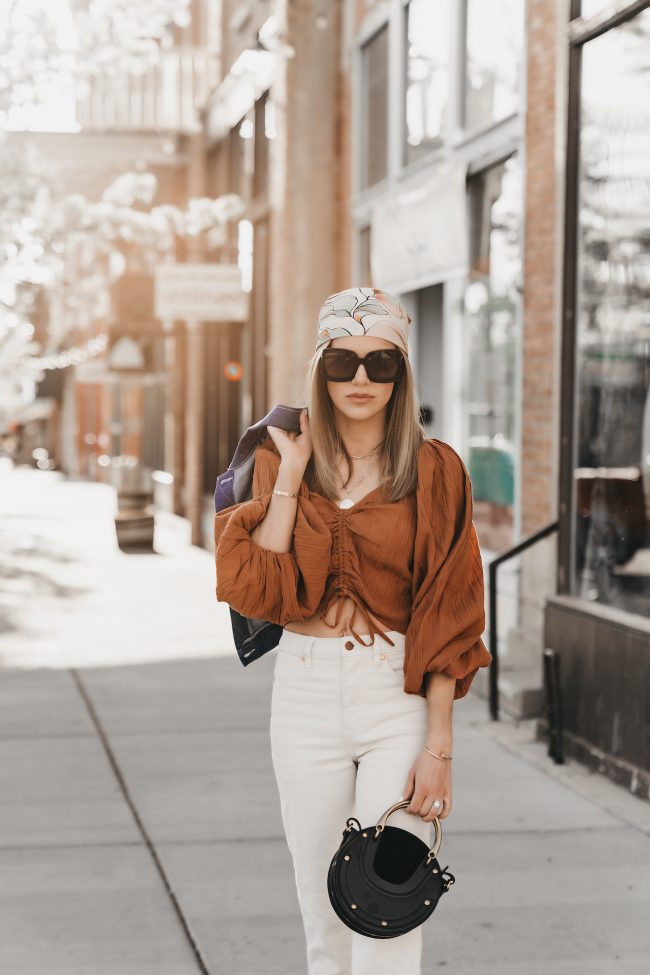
<point x="415" y="564"/>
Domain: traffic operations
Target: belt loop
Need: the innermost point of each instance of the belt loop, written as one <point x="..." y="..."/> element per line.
<point x="307" y="656"/>
<point x="377" y="652"/>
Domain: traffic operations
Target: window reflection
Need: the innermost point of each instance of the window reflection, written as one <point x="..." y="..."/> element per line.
<point x="427" y="78"/>
<point x="612" y="458"/>
<point x="261" y="148"/>
<point x="589" y="8"/>
<point x="374" y="115"/>
<point x="491" y="315"/>
<point x="495" y="33"/>
<point x="364" y="256"/>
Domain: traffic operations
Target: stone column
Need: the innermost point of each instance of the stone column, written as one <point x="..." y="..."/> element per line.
<point x="521" y="681"/>
<point x="308" y="210"/>
<point x="195" y="367"/>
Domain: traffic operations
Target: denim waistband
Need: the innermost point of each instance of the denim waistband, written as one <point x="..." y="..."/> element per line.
<point x="341" y="646"/>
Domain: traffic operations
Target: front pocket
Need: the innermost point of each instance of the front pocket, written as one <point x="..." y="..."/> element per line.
<point x="394" y="662"/>
<point x="287" y="663"/>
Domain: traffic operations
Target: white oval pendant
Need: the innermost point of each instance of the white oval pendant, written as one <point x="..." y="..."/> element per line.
<point x="346" y="503"/>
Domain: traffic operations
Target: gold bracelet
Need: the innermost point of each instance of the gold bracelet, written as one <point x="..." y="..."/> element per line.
<point x="442" y="756"/>
<point x="286" y="494"/>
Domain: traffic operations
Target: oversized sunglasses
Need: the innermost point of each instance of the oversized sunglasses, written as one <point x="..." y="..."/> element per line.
<point x="381" y="365"/>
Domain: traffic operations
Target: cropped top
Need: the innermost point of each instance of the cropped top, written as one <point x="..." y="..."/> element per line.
<point x="414" y="564"/>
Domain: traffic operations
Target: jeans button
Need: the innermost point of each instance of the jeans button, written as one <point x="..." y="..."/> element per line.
<point x="349" y="645"/>
<point x="382" y="656"/>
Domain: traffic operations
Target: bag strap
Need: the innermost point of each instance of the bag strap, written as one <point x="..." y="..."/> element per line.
<point x="285" y="417"/>
<point x="234" y="484"/>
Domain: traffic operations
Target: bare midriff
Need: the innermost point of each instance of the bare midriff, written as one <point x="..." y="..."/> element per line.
<point x="342" y="607"/>
<point x="316" y="626"/>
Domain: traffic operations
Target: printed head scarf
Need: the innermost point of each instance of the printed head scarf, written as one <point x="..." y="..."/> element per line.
<point x="363" y="311"/>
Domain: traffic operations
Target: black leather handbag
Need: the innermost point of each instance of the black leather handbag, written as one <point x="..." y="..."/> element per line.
<point x="383" y="881"/>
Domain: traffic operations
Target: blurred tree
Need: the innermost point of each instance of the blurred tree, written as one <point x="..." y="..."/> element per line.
<point x="74" y="250"/>
<point x="60" y="45"/>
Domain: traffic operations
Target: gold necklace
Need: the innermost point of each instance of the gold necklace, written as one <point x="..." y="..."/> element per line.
<point x="361" y="456"/>
<point x="348" y="502"/>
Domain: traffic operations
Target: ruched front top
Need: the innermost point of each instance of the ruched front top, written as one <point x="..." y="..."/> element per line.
<point x="413" y="565"/>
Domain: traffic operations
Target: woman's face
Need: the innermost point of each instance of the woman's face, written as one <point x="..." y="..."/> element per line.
<point x="378" y="393"/>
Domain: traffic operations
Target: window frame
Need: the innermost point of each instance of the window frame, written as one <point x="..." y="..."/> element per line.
<point x="446" y="137"/>
<point x="520" y="97"/>
<point x="579" y="32"/>
<point x="373" y="27"/>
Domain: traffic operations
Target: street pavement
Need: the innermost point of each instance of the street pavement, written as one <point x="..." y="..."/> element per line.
<point x="140" y="827"/>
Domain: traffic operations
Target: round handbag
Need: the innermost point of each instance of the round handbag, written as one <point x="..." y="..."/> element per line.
<point x="383" y="881"/>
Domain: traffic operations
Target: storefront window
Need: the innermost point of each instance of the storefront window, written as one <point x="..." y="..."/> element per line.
<point x="235" y="161"/>
<point x="611" y="546"/>
<point x="364" y="256"/>
<point x="495" y="33"/>
<point x="427" y="75"/>
<point x="374" y="114"/>
<point x="263" y="114"/>
<point x="589" y="8"/>
<point x="491" y="315"/>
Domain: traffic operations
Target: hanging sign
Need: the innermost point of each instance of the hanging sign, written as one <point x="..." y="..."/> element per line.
<point x="200" y="293"/>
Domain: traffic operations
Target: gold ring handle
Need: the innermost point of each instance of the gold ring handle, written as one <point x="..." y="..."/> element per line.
<point x="402" y="804"/>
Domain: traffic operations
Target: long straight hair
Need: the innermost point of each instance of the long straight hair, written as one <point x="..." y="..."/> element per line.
<point x="398" y="454"/>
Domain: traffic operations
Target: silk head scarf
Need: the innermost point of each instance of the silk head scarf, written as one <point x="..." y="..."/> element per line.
<point x="363" y="311"/>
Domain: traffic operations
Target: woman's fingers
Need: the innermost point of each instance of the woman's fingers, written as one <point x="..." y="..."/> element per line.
<point x="441" y="812"/>
<point x="428" y="784"/>
<point x="410" y="782"/>
<point x="294" y="447"/>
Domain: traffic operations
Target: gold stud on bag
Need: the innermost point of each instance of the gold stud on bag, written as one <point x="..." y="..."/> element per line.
<point x="383" y="881"/>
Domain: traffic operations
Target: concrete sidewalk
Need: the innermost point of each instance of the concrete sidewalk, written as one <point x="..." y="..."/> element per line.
<point x="140" y="828"/>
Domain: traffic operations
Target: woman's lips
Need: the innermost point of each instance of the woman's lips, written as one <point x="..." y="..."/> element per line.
<point x="359" y="396"/>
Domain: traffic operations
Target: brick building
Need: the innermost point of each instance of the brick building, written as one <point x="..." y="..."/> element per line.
<point x="379" y="143"/>
<point x="431" y="147"/>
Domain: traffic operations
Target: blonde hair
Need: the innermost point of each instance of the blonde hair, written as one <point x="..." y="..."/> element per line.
<point x="398" y="454"/>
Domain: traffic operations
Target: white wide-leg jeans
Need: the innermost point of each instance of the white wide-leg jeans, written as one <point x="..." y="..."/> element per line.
<point x="343" y="737"/>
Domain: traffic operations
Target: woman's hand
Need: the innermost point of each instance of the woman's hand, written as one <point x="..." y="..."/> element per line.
<point x="429" y="778"/>
<point x="295" y="448"/>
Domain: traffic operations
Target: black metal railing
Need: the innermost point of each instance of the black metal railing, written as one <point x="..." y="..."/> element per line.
<point x="494" y="646"/>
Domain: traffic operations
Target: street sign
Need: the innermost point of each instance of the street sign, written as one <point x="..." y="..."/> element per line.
<point x="200" y="293"/>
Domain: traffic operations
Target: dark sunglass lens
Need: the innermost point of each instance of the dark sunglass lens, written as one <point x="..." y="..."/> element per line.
<point x="383" y="366"/>
<point x="339" y="364"/>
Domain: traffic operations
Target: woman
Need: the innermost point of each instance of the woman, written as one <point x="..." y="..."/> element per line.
<point x="359" y="541"/>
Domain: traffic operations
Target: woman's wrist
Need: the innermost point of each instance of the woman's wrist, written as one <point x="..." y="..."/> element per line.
<point x="439" y="753"/>
<point x="288" y="479"/>
<point x="440" y="745"/>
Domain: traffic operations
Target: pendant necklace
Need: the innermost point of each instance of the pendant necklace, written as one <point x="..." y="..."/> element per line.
<point x="348" y="502"/>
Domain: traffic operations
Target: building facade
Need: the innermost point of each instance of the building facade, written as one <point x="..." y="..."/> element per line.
<point x="383" y="144"/>
<point x="433" y="148"/>
<point x="437" y="205"/>
<point x="598" y="618"/>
